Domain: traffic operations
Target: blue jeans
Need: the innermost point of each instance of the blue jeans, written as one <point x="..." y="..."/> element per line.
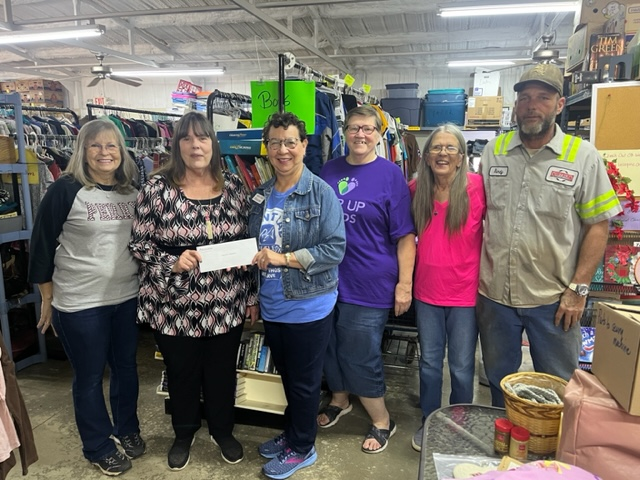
<point x="553" y="350"/>
<point x="93" y="338"/>
<point x="354" y="360"/>
<point x="298" y="350"/>
<point x="456" y="326"/>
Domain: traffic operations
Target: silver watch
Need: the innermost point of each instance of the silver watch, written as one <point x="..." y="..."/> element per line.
<point x="580" y="289"/>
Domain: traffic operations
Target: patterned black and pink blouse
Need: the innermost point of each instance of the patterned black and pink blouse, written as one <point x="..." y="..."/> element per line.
<point x="166" y="223"/>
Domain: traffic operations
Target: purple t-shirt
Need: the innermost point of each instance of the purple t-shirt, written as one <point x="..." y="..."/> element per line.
<point x="377" y="211"/>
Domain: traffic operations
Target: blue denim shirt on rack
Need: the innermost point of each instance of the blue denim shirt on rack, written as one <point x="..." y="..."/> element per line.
<point x="313" y="229"/>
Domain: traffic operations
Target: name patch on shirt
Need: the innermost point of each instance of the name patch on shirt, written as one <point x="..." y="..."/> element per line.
<point x="562" y="176"/>
<point x="498" y="171"/>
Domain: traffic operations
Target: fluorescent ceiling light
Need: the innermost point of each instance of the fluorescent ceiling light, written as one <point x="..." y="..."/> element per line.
<point x="170" y="72"/>
<point x="43" y="35"/>
<point x="479" y="63"/>
<point x="508" y="9"/>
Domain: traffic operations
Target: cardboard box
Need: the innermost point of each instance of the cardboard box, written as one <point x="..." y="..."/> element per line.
<point x="22" y="86"/>
<point x="616" y="353"/>
<point x="485" y="108"/>
<point x="486" y="84"/>
<point x="43" y="84"/>
<point x="631" y="20"/>
<point x="7" y="87"/>
<point x="600" y="11"/>
<point x="578" y="45"/>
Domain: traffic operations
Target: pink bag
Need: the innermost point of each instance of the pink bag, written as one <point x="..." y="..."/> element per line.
<point x="597" y="434"/>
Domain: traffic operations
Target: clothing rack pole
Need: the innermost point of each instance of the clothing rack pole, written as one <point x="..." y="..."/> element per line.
<point x="281" y="82"/>
<point x="63" y="110"/>
<point x="324" y="78"/>
<point x="125" y="109"/>
<point x="217" y="94"/>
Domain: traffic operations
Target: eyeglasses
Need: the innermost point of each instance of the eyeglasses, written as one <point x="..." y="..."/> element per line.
<point x="367" y="129"/>
<point x="450" y="149"/>
<point x="274" y="144"/>
<point x="111" y="148"/>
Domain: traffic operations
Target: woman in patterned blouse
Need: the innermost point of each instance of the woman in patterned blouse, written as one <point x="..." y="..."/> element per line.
<point x="197" y="317"/>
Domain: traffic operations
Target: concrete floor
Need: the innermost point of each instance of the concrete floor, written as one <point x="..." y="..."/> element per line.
<point x="46" y="389"/>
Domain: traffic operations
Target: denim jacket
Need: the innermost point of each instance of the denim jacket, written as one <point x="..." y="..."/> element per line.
<point x="313" y="229"/>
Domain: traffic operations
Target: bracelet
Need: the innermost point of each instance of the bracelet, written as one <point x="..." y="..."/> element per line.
<point x="287" y="257"/>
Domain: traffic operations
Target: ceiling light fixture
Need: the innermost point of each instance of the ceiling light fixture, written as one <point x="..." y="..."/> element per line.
<point x="480" y="63"/>
<point x="43" y="35"/>
<point x="508" y="9"/>
<point x="171" y="72"/>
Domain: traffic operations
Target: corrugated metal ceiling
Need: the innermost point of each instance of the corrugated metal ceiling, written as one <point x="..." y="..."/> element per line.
<point x="328" y="35"/>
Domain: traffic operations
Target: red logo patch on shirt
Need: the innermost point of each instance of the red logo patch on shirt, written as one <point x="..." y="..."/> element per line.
<point x="562" y="176"/>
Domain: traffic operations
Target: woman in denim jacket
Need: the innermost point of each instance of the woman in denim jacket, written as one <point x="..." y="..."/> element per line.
<point x="299" y="225"/>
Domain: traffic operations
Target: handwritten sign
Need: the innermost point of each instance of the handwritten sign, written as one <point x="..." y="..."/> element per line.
<point x="349" y="80"/>
<point x="300" y="99"/>
<point x="367" y="88"/>
<point x="627" y="162"/>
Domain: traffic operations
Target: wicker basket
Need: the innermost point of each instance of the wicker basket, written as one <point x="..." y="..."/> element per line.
<point x="542" y="420"/>
<point x="7" y="150"/>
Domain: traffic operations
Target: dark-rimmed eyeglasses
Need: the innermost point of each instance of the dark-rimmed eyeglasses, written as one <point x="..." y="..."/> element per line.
<point x="367" y="129"/>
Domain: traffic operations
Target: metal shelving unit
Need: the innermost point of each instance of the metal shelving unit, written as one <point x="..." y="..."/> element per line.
<point x="21" y="190"/>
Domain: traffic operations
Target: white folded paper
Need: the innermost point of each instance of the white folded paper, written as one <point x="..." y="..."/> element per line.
<point x="228" y="254"/>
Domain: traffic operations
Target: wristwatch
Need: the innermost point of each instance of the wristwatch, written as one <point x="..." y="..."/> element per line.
<point x="580" y="289"/>
<point x="288" y="255"/>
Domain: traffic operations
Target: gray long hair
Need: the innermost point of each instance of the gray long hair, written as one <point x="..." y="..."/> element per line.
<point x="126" y="174"/>
<point x="459" y="202"/>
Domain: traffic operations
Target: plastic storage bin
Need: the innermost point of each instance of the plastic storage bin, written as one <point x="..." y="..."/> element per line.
<point x="402" y="91"/>
<point x="408" y="110"/>
<point x="443" y="106"/>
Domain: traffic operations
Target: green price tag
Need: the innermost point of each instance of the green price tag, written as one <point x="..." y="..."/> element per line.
<point x="349" y="80"/>
<point x="367" y="88"/>
<point x="300" y="99"/>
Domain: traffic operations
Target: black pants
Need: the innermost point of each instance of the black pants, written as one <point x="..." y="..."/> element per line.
<point x="207" y="363"/>
<point x="298" y="351"/>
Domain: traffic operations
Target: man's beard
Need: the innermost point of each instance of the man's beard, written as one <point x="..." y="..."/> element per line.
<point x="535" y="131"/>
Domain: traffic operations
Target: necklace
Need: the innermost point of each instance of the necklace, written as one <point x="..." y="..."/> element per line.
<point x="208" y="227"/>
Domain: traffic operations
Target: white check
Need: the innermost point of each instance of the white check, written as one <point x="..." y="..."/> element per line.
<point x="228" y="254"/>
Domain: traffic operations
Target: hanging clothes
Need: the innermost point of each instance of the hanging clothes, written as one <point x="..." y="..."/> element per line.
<point x="21" y="421"/>
<point x="325" y="144"/>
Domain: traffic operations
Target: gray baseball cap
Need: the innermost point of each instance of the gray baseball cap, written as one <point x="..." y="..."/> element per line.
<point x="544" y="73"/>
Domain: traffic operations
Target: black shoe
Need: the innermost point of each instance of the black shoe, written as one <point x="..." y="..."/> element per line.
<point x="113" y="464"/>
<point x="230" y="449"/>
<point x="178" y="456"/>
<point x="132" y="444"/>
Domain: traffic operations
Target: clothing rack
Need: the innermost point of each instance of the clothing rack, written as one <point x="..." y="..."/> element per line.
<point x="125" y="109"/>
<point x="230" y="98"/>
<point x="61" y="110"/>
<point x="288" y="61"/>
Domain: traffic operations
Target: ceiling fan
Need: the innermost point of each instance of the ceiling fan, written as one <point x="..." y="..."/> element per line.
<point x="102" y="72"/>
<point x="544" y="54"/>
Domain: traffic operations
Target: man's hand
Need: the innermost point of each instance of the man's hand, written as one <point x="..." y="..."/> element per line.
<point x="570" y="309"/>
<point x="402" y="298"/>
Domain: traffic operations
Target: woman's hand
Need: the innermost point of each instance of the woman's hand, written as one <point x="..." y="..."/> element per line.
<point x="266" y="257"/>
<point x="187" y="261"/>
<point x="252" y="312"/>
<point x="402" y="298"/>
<point x="45" y="317"/>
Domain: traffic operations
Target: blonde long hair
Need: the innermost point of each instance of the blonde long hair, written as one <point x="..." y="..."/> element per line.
<point x="459" y="202"/>
<point x="126" y="175"/>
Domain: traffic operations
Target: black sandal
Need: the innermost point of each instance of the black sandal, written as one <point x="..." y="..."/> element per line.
<point x="333" y="413"/>
<point x="381" y="435"/>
